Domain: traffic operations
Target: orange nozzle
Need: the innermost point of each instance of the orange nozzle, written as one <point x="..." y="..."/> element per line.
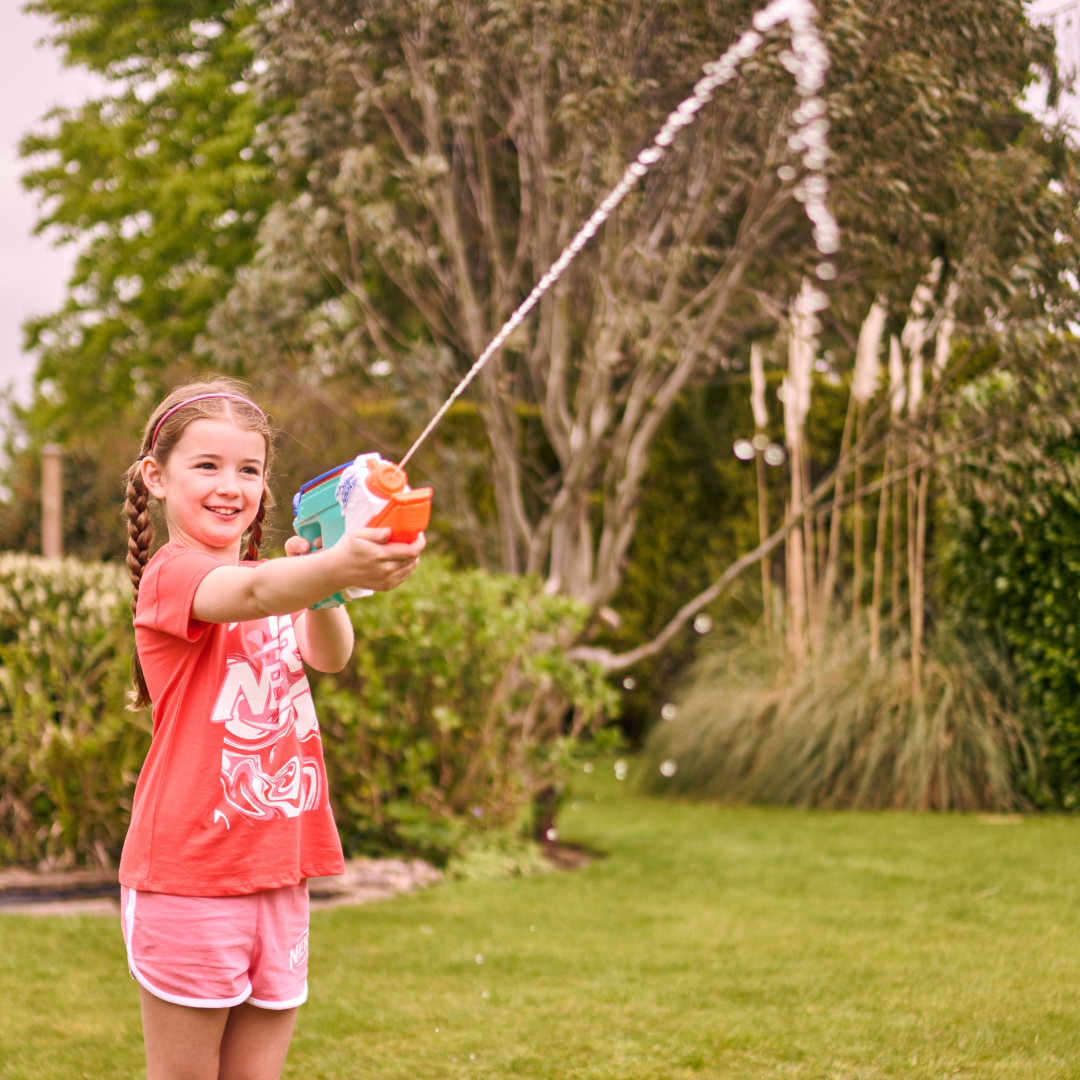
<point x="386" y="479"/>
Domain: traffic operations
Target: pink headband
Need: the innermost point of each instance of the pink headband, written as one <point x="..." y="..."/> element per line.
<point x="202" y="397"/>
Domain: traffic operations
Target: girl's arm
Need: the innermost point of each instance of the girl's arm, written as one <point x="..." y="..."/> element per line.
<point x="361" y="559"/>
<point x="324" y="637"/>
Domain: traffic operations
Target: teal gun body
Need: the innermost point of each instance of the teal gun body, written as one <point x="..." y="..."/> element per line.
<point x="316" y="513"/>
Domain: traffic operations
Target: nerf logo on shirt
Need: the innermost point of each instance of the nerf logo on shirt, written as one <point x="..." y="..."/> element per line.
<point x="242" y="685"/>
<point x="259" y="706"/>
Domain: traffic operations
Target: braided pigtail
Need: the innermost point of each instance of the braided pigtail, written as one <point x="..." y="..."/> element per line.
<point x="255" y="536"/>
<point x="140" y="537"/>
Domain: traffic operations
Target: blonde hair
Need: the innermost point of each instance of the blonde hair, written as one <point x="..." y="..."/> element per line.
<point x="158" y="443"/>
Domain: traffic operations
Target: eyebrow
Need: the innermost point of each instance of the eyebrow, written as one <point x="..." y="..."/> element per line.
<point x="217" y="457"/>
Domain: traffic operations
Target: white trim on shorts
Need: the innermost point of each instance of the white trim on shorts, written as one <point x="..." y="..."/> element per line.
<point x="291" y="1004"/>
<point x="176" y="999"/>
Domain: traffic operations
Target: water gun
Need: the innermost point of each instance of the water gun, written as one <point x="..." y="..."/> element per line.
<point x="365" y="492"/>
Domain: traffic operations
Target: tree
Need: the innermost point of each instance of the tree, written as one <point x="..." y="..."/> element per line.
<point x="451" y="149"/>
<point x="158" y="184"/>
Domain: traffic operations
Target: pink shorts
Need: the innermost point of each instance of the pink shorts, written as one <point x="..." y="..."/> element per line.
<point x="213" y="952"/>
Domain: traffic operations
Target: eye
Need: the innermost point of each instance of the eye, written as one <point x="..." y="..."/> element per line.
<point x="206" y="465"/>
<point x="251" y="470"/>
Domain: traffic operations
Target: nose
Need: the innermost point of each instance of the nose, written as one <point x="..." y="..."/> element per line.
<point x="228" y="483"/>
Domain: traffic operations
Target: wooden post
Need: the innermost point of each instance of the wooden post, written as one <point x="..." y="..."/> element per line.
<point x="52" y="501"/>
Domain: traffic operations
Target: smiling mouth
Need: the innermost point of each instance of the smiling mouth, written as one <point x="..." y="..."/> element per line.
<point x="223" y="511"/>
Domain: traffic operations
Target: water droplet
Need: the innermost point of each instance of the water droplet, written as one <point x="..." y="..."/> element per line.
<point x="479" y="958"/>
<point x="587" y="767"/>
<point x="744" y="450"/>
<point x="703" y="624"/>
<point x="669" y="767"/>
<point x="620" y="770"/>
<point x="551" y="835"/>
<point x="629" y="682"/>
<point x="669" y="711"/>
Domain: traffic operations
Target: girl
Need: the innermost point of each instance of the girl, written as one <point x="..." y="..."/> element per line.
<point x="231" y="813"/>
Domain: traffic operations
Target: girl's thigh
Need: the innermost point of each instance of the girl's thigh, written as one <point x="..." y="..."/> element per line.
<point x="242" y="1043"/>
<point x="182" y="1043"/>
<point x="255" y="1042"/>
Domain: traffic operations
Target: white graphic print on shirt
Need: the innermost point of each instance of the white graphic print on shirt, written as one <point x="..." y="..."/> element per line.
<point x="266" y="707"/>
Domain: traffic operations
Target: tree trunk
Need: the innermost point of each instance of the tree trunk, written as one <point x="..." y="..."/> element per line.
<point x="831" y="567"/>
<point x="763" y="533"/>
<point x="879" y="557"/>
<point x="897" y="549"/>
<point x="858" y="540"/>
<point x="917" y="586"/>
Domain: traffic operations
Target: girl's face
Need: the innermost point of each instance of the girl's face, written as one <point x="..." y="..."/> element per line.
<point x="211" y="485"/>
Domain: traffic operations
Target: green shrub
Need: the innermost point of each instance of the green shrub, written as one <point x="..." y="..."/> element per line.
<point x="1014" y="561"/>
<point x="846" y="734"/>
<point x="69" y="752"/>
<point x="457" y="709"/>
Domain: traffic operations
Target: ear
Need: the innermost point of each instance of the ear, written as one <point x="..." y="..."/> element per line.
<point x="153" y="477"/>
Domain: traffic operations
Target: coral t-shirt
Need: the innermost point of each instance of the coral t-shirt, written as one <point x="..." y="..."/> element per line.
<point x="232" y="798"/>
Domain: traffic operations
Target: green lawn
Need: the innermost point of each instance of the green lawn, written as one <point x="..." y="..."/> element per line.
<point x="708" y="943"/>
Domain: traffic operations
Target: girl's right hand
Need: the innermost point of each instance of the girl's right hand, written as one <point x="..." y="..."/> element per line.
<point x="367" y="560"/>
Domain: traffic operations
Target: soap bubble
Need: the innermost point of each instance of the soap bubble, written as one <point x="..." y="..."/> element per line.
<point x="588" y="767"/>
<point x="486" y="994"/>
<point x="760" y="441"/>
<point x="479" y="958"/>
<point x="669" y="711"/>
<point x="552" y="835"/>
<point x="775" y="454"/>
<point x="744" y="450"/>
<point x="669" y="767"/>
<point x="629" y="682"/>
<point x="703" y="624"/>
<point x="381" y="368"/>
<point x="575" y="806"/>
<point x="532" y="929"/>
<point x="826" y="271"/>
<point x="620" y="770"/>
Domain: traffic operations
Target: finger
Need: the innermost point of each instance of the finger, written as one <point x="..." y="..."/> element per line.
<point x="374" y="536"/>
<point x="297" y="545"/>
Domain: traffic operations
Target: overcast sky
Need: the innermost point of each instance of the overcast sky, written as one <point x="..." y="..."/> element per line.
<point x="32" y="271"/>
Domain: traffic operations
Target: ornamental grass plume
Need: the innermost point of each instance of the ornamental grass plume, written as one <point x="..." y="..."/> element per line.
<point x="846" y="733"/>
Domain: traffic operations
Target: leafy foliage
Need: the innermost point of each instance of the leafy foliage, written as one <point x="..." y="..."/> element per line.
<point x="458" y="707"/>
<point x="848" y="734"/>
<point x="159" y="184"/>
<point x="69" y="752"/>
<point x="1015" y="559"/>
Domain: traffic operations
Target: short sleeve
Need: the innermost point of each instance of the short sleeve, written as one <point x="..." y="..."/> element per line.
<point x="167" y="591"/>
